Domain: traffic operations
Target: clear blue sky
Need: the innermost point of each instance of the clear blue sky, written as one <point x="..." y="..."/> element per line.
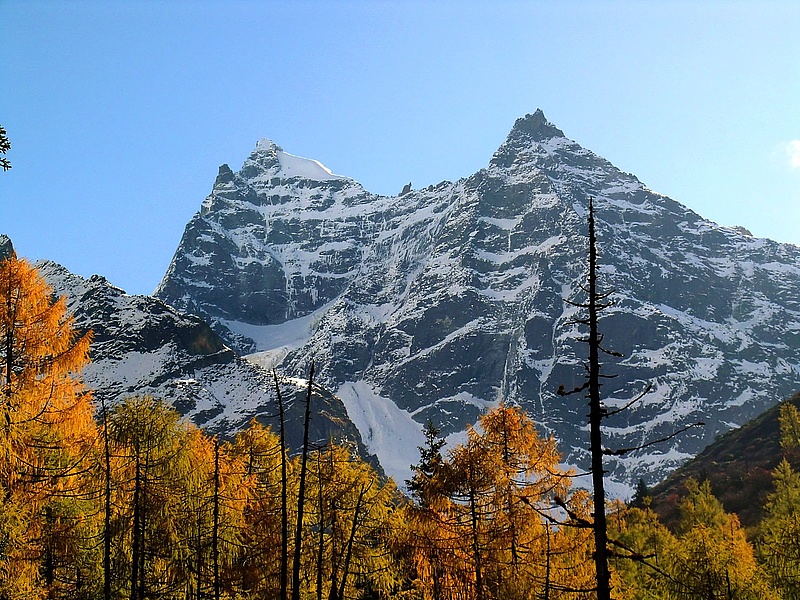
<point x="119" y="113"/>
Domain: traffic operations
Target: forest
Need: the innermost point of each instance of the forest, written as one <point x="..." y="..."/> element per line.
<point x="131" y="501"/>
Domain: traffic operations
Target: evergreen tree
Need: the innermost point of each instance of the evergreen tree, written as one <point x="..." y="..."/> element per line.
<point x="641" y="496"/>
<point x="5" y="146"/>
<point x="422" y="484"/>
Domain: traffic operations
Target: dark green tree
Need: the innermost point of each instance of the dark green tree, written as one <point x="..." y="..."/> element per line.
<point x="641" y="495"/>
<point x="5" y="146"/>
<point x="423" y="481"/>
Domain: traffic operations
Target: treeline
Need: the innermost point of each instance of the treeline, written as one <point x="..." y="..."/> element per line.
<point x="133" y="502"/>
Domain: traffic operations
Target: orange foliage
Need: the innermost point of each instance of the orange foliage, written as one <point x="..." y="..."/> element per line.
<point x="46" y="424"/>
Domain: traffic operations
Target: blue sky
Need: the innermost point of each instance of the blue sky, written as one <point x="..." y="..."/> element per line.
<point x="120" y="112"/>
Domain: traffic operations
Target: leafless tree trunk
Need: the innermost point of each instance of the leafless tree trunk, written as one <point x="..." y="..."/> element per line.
<point x="298" y="533"/>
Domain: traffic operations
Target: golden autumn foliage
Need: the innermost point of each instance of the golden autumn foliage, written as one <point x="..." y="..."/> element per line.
<point x="491" y="523"/>
<point x="46" y="429"/>
<point x="45" y="409"/>
<point x="146" y="506"/>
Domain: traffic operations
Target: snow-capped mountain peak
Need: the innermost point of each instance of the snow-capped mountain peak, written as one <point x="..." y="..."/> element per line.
<point x="443" y="301"/>
<point x="287" y="165"/>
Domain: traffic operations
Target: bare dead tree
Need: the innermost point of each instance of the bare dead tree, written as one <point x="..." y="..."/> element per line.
<point x="298" y="535"/>
<point x="284" y="576"/>
<point x="596" y="302"/>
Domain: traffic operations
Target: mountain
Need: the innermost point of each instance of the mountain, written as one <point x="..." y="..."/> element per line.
<point x="142" y="346"/>
<point x="442" y="301"/>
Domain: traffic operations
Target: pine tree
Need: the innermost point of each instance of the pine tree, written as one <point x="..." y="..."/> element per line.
<point x="5" y="146"/>
<point x="641" y="496"/>
<point x="422" y="484"/>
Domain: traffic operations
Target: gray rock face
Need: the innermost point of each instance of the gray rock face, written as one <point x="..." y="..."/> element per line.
<point x="273" y="242"/>
<point x="6" y="247"/>
<point x="446" y="300"/>
<point x="142" y="346"/>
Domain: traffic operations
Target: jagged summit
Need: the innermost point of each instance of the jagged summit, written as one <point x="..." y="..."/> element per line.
<point x="535" y="127"/>
<point x="6" y="247"/>
<point x="267" y="145"/>
<point x="531" y="140"/>
<point x="225" y="175"/>
<point x="268" y="153"/>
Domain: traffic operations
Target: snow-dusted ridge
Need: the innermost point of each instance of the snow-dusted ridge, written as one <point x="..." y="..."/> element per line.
<point x="142" y="346"/>
<point x="443" y="301"/>
<point x="297" y="166"/>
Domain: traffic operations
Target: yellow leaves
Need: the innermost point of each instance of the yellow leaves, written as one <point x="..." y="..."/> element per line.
<point x="40" y="348"/>
<point x="789" y="419"/>
<point x="779" y="532"/>
<point x="711" y="557"/>
<point x="486" y="532"/>
<point x="44" y="406"/>
<point x="351" y="511"/>
<point x="496" y="518"/>
<point x="46" y="433"/>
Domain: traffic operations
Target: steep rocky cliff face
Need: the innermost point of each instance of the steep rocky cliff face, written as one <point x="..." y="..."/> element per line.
<point x="142" y="346"/>
<point x="440" y="302"/>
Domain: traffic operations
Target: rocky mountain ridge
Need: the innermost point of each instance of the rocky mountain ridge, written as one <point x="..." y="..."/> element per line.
<point x="142" y="346"/>
<point x="440" y="302"/>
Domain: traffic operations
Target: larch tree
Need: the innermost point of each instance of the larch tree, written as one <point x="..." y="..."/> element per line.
<point x="526" y="478"/>
<point x="712" y="558"/>
<point x="46" y="428"/>
<point x="350" y="514"/>
<point x="261" y="563"/>
<point x="637" y="533"/>
<point x="789" y="419"/>
<point x="779" y="531"/>
<point x="156" y="466"/>
<point x="480" y="525"/>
